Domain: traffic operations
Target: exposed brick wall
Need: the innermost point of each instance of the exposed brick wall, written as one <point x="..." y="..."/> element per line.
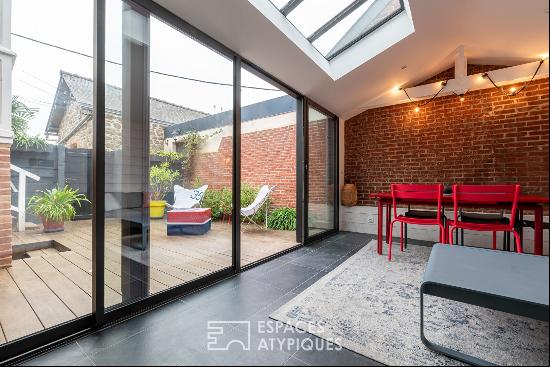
<point x="320" y="179"/>
<point x="268" y="157"/>
<point x="5" y="205"/>
<point x="471" y="70"/>
<point x="488" y="138"/>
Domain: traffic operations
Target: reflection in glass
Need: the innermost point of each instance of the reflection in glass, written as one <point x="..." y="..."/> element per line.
<point x="321" y="178"/>
<point x="168" y="137"/>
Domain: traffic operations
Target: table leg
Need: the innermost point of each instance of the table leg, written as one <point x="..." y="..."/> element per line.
<point x="538" y="230"/>
<point x="388" y="221"/>
<point x="380" y="219"/>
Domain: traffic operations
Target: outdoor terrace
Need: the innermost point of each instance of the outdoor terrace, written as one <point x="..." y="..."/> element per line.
<point x="47" y="287"/>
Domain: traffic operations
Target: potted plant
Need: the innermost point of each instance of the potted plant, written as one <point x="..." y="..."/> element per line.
<point x="161" y="179"/>
<point x="56" y="206"/>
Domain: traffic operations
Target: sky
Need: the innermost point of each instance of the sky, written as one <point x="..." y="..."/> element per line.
<point x="310" y="15"/>
<point x="69" y="24"/>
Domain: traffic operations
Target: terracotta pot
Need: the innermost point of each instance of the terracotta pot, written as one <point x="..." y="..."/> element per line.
<point x="50" y="226"/>
<point x="349" y="195"/>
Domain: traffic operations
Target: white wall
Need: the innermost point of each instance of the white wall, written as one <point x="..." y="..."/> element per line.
<point x="364" y="219"/>
<point x="7" y="58"/>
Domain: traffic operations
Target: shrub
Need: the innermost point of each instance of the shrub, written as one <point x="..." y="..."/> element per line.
<point x="21" y="114"/>
<point x="283" y="219"/>
<point x="220" y="201"/>
<point x="161" y="179"/>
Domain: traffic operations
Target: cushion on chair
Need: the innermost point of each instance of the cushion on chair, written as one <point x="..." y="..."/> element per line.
<point x="482" y="218"/>
<point x="423" y="214"/>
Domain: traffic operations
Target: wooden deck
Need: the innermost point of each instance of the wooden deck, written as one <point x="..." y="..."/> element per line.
<point x="49" y="287"/>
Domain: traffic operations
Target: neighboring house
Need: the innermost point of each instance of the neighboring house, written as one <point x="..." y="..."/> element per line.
<point x="71" y="115"/>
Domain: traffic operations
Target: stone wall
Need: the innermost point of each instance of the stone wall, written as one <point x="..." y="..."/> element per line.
<point x="83" y="137"/>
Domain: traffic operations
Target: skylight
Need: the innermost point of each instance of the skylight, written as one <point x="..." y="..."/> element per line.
<point x="335" y="26"/>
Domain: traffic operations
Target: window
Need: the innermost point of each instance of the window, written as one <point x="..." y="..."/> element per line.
<point x="50" y="280"/>
<point x="334" y="26"/>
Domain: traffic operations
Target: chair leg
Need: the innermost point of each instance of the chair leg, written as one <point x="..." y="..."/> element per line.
<point x="517" y="238"/>
<point x="406" y="236"/>
<point x="461" y="237"/>
<point x="494" y="240"/>
<point x="451" y="235"/>
<point x="390" y="240"/>
<point x="401" y="242"/>
<point x="442" y="234"/>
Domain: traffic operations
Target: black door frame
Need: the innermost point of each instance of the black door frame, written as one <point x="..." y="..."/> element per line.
<point x="28" y="346"/>
<point x="334" y="124"/>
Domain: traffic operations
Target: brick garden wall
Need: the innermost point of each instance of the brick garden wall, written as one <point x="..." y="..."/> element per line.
<point x="488" y="138"/>
<point x="268" y="157"/>
<point x="5" y="204"/>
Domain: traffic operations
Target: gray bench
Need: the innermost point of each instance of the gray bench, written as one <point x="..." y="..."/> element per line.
<point x="498" y="280"/>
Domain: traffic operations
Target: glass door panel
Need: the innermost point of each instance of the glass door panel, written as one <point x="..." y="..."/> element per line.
<point x="45" y="248"/>
<point x="168" y="196"/>
<point x="268" y="169"/>
<point x="321" y="173"/>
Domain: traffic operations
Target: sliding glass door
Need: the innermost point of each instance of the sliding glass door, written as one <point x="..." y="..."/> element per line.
<point x="321" y="194"/>
<point x="175" y="154"/>
<point x="268" y="168"/>
<point x="168" y="157"/>
<point x="45" y="246"/>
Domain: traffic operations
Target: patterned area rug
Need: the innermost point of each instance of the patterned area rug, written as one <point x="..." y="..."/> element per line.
<point x="371" y="306"/>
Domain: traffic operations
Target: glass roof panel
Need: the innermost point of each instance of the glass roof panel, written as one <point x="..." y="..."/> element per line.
<point x="333" y="26"/>
<point x="327" y="41"/>
<point x="279" y="3"/>
<point x="310" y="15"/>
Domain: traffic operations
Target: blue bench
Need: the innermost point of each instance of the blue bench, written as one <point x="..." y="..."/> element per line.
<point x="498" y="280"/>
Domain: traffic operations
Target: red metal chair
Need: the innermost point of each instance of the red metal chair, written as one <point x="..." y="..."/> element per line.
<point x="417" y="193"/>
<point x="485" y="194"/>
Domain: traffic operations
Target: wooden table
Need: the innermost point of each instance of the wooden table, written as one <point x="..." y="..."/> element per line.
<point x="526" y="202"/>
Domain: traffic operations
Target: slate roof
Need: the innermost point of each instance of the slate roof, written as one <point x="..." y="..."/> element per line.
<point x="80" y="89"/>
<point x="269" y="108"/>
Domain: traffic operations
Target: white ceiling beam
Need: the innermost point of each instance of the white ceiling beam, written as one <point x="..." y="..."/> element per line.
<point x="505" y="76"/>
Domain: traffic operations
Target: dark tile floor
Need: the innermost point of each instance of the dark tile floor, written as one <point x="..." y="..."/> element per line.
<point x="176" y="334"/>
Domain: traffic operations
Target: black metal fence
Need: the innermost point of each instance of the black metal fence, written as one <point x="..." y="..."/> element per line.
<point x="56" y="166"/>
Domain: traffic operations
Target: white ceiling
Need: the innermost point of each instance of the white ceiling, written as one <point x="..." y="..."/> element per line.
<point x="492" y="31"/>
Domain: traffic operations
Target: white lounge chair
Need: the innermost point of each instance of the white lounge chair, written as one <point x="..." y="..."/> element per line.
<point x="256" y="205"/>
<point x="187" y="198"/>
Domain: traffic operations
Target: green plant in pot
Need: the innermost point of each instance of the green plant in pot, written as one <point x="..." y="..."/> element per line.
<point x="56" y="206"/>
<point x="161" y="180"/>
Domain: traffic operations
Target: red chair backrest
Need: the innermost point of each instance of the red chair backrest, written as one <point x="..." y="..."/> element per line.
<point x="417" y="192"/>
<point x="487" y="194"/>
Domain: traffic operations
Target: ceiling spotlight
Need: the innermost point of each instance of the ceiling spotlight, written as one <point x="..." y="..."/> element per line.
<point x="417" y="109"/>
<point x="403" y="67"/>
<point x="396" y="90"/>
<point x="462" y="98"/>
<point x="513" y="90"/>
